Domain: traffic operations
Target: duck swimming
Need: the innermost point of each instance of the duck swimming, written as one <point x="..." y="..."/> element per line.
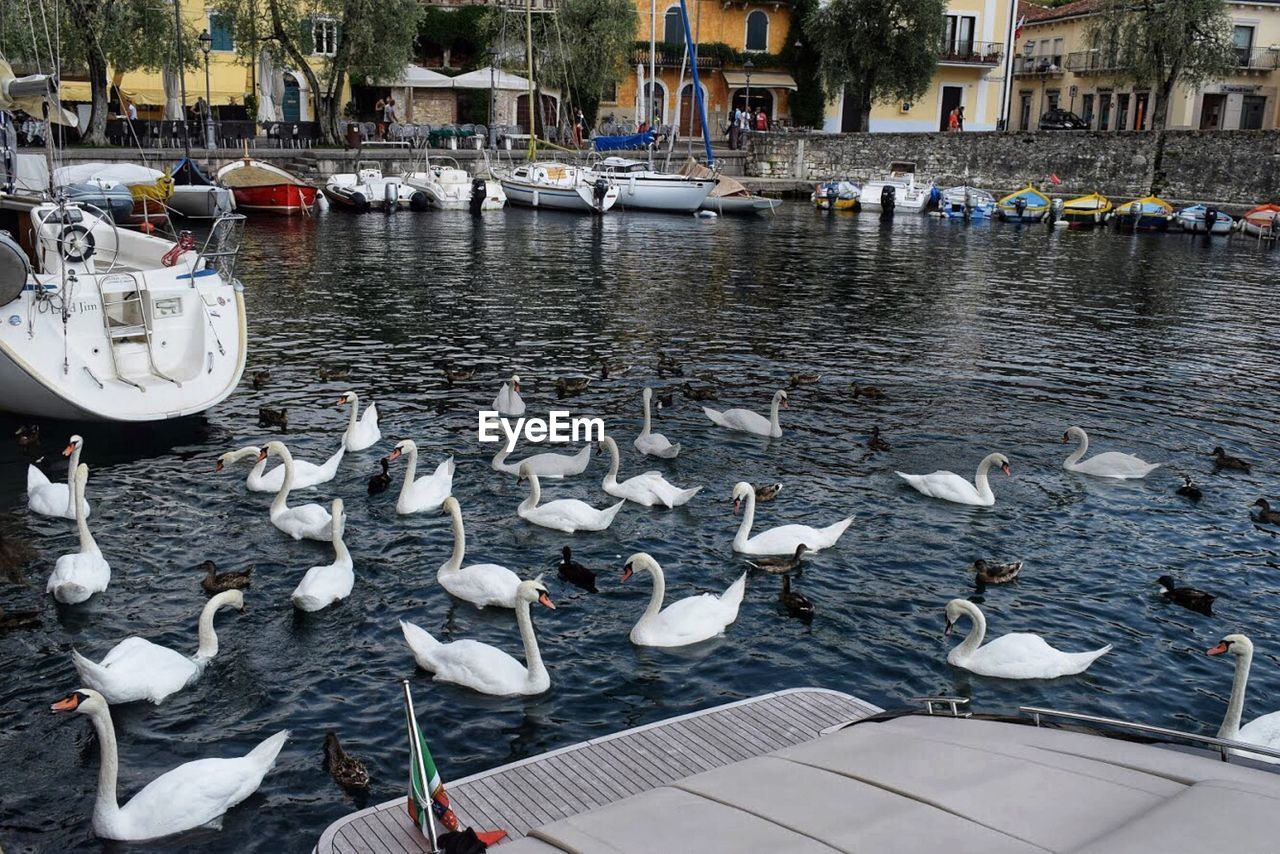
<point x="215" y="582"/>
<point x="1189" y="489"/>
<point x="990" y="572"/>
<point x="1223" y="460"/>
<point x="379" y="482"/>
<point x="781" y="565"/>
<point x="347" y="771"/>
<point x="870" y="392"/>
<point x="876" y="443"/>
<point x="1266" y="514"/>
<point x="575" y="573"/>
<point x="795" y="603"/>
<point x="1187" y="597"/>
<point x="268" y="417"/>
<point x="767" y="492"/>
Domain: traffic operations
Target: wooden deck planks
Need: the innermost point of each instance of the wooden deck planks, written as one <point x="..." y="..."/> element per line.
<point x="533" y="792"/>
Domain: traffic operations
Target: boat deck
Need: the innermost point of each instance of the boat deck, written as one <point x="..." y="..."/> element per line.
<point x="546" y="788"/>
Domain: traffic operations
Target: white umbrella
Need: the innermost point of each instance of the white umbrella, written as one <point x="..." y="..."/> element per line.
<point x="640" y="94"/>
<point x="266" y="89"/>
<point x="172" y="100"/>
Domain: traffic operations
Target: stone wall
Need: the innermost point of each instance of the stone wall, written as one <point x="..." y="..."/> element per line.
<point x="1238" y="167"/>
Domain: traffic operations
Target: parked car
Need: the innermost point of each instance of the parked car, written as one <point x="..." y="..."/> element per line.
<point x="1062" y="120"/>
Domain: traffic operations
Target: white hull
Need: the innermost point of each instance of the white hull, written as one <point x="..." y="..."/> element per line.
<point x="452" y="192"/>
<point x="907" y="198"/>
<point x="739" y="204"/>
<point x="557" y="186"/>
<point x="201" y="202"/>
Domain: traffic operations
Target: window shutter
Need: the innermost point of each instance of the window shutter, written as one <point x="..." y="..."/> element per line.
<point x="307" y="40"/>
<point x="337" y="35"/>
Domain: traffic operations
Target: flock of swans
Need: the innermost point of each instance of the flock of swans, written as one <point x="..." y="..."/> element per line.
<point x="136" y="669"/>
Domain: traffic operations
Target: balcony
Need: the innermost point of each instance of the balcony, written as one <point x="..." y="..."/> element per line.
<point x="1085" y="62"/>
<point x="1037" y="66"/>
<point x="671" y="55"/>
<point x="1262" y="60"/>
<point x="970" y="53"/>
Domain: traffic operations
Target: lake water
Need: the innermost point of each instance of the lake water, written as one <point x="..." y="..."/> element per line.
<point x="985" y="337"/>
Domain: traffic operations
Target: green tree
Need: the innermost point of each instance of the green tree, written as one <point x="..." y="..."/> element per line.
<point x="373" y="39"/>
<point x="877" y="50"/>
<point x="586" y="49"/>
<point x="1160" y="43"/>
<point x="808" y="102"/>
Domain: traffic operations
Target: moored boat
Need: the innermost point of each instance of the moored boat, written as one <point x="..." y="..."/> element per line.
<point x="641" y="186"/>
<point x="1194" y="217"/>
<point x="450" y="188"/>
<point x="966" y="203"/>
<point x="1089" y="210"/>
<point x="150" y="189"/>
<point x="560" y="186"/>
<point x="837" y="195"/>
<point x="1149" y="213"/>
<point x="379" y="192"/>
<point x="1260" y="221"/>
<point x="729" y="196"/>
<point x="1025" y="205"/>
<point x="899" y="191"/>
<point x="264" y="187"/>
<point x="197" y="197"/>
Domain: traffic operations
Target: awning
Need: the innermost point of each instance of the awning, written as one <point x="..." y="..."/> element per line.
<point x="417" y="77"/>
<point x="480" y="79"/>
<point x="78" y="90"/>
<point x="760" y="80"/>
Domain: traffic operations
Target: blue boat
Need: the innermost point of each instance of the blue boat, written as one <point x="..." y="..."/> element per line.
<point x="1192" y="219"/>
<point x="966" y="203"/>
<point x="1026" y="205"/>
<point x="1149" y="213"/>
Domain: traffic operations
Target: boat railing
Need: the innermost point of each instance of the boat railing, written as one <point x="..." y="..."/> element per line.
<point x="951" y="706"/>
<point x="222" y="246"/>
<point x="1223" y="746"/>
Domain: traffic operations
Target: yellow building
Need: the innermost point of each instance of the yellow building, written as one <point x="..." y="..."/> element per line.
<point x="971" y="73"/>
<point x="730" y="34"/>
<point x="1056" y="67"/>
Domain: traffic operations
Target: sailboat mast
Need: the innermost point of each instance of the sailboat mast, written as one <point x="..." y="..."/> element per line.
<point x="528" y="47"/>
<point x="182" y="76"/>
<point x="653" y="58"/>
<point x="697" y="85"/>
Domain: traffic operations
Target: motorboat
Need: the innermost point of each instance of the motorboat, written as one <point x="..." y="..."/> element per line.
<point x="110" y="197"/>
<point x="641" y="186"/>
<point x="560" y="186"/>
<point x="965" y="202"/>
<point x="837" y="195"/>
<point x="1149" y="213"/>
<point x="1260" y="221"/>
<point x="1085" y="211"/>
<point x="449" y="187"/>
<point x="197" y="197"/>
<point x="899" y="191"/>
<point x="1025" y="205"/>
<point x="265" y="188"/>
<point x="150" y="189"/>
<point x="1193" y="219"/>
<point x="369" y="189"/>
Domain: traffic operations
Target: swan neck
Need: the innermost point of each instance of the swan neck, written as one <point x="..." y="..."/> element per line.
<point x="1235" y="707"/>
<point x="657" y="596"/>
<point x="341" y="557"/>
<point x="71" y="478"/>
<point x="1080" y="450"/>
<point x="748" y="518"/>
<point x="459" y="541"/>
<point x="108" y="766"/>
<point x="773" y="416"/>
<point x="534" y="496"/>
<point x="645" y="431"/>
<point x="281" y="501"/>
<point x="351" y="422"/>
<point x="410" y="471"/>
<point x="87" y="543"/>
<point x="977" y="631"/>
<point x="537" y="671"/>
<point x="614" y="461"/>
<point x="980" y="480"/>
<point x="208" y="637"/>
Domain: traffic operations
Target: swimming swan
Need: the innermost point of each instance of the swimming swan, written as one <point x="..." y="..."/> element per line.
<point x="306" y="520"/>
<point x="1263" y="731"/>
<point x="324" y="585"/>
<point x="783" y="539"/>
<point x="645" y="489"/>
<point x="746" y="421"/>
<point x="426" y="493"/>
<point x="685" y="621"/>
<point x="564" y="514"/>
<point x="305" y="474"/>
<point x="949" y="486"/>
<point x="79" y="575"/>
<point x="364" y="433"/>
<point x="54" y="499"/>
<point x="1013" y="656"/>
<point x="654" y="444"/>
<point x="1110" y="464"/>
<point x="481" y="584"/>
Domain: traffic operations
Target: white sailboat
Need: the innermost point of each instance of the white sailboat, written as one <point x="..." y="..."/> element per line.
<point x="561" y="186"/>
<point x="641" y="186"/>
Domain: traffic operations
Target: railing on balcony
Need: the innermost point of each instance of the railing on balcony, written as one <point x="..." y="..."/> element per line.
<point x="970" y="52"/>
<point x="1037" y="64"/>
<point x="1257" y="59"/>
<point x="670" y="56"/>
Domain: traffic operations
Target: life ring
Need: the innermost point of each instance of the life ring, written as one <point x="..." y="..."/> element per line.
<point x="75" y="237"/>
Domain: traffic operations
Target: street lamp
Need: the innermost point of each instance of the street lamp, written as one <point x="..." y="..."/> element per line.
<point x="748" y="65"/>
<point x="206" y="43"/>
<point x="493" y="95"/>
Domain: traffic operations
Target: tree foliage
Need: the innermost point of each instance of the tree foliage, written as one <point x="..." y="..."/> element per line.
<point x="877" y="50"/>
<point x="1159" y="43"/>
<point x="449" y="30"/>
<point x="375" y="41"/>
<point x="808" y="102"/>
<point x="587" y="49"/>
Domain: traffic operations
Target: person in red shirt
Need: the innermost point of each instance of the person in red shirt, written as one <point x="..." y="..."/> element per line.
<point x="762" y="121"/>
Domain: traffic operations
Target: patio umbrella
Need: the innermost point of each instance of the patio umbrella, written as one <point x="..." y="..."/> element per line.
<point x="266" y="89"/>
<point x="172" y="101"/>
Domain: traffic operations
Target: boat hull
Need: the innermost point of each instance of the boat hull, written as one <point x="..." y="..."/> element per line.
<point x="194" y="201"/>
<point x="557" y="198"/>
<point x="740" y="205"/>
<point x="670" y="195"/>
<point x="284" y="199"/>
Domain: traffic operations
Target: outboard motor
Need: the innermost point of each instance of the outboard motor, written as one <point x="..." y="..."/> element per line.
<point x="888" y="200"/>
<point x="1055" y="211"/>
<point x="599" y="190"/>
<point x="1020" y="207"/>
<point x="935" y="198"/>
<point x="832" y="195"/>
<point x="479" y="189"/>
<point x="390" y="196"/>
<point x="359" y="203"/>
<point x="1210" y="220"/>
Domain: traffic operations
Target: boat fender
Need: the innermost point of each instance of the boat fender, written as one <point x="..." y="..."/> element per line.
<point x="186" y="242"/>
<point x="479" y="189"/>
<point x="77" y="243"/>
<point x="14" y="268"/>
<point x="418" y="201"/>
<point x="359" y="202"/>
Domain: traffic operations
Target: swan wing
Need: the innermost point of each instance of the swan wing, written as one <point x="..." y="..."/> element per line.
<point x="51" y="499"/>
<point x="78" y="576"/>
<point x="324" y="585"/>
<point x="656" y="445"/>
<point x="482" y="584"/>
<point x="945" y="485"/>
<point x="572" y="514"/>
<point x="428" y="493"/>
<point x="197" y="793"/>
<point x="671" y="495"/>
<point x="479" y="666"/>
<point x="743" y="420"/>
<point x="270" y="481"/>
<point x="1020" y="655"/>
<point x="306" y="520"/>
<point x="783" y="539"/>
<point x="366" y="432"/>
<point x="37" y="479"/>
<point x="1115" y="465"/>
<point x="137" y="669"/>
<point x="692" y="620"/>
<point x="1264" y="732"/>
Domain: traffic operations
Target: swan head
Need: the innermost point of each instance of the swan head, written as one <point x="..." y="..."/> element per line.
<point x="339" y="519"/>
<point x="780" y="398"/>
<point x="84" y="701"/>
<point x="346" y="398"/>
<point x="740" y="492"/>
<point x="1073" y="433"/>
<point x="606" y="443"/>
<point x="402" y="447"/>
<point x="515" y="382"/>
<point x="1002" y="462"/>
<point x="74" y="443"/>
<point x="1237" y="645"/>
<point x="234" y="456"/>
<point x="228" y="599"/>
<point x="270" y="448"/>
<point x="638" y="562"/>
<point x="526" y="472"/>
<point x="956" y="609"/>
<point x="534" y="591"/>
<point x="648" y="394"/>
<point x="450" y="506"/>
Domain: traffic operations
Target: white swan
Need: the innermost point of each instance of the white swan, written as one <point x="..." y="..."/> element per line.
<point x="783" y="539"/>
<point x="950" y="486"/>
<point x="54" y="499"/>
<point x="425" y="493"/>
<point x="555" y="466"/>
<point x="508" y="401"/>
<point x="306" y="520"/>
<point x="137" y="669"/>
<point x="1263" y="731"/>
<point x="363" y="433"/>
<point x="324" y="585"/>
<point x="654" y="444"/>
<point x="746" y="421"/>
<point x="485" y="668"/>
<point x="645" y="489"/>
<point x="563" y="514"/>
<point x="684" y="621"/>
<point x="1110" y="464"/>
<point x="191" y="795"/>
<point x="78" y="576"/>
<point x="481" y="584"/>
<point x="1013" y="656"/>
<point x="305" y="474"/>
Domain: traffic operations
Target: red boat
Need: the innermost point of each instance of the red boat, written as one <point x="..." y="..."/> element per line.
<point x="260" y="186"/>
<point x="1261" y="221"/>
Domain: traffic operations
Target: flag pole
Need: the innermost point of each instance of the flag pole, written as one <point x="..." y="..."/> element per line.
<point x="422" y="769"/>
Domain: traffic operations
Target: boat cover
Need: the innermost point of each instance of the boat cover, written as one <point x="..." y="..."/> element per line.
<point x="187" y="173"/>
<point x="918" y="783"/>
<point x="622" y="143"/>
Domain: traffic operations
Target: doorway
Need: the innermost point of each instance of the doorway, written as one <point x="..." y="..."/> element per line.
<point x="951" y="97"/>
<point x="1252" y="111"/>
<point x="1122" y="111"/>
<point x="1211" y="112"/>
<point x="1104" y="112"/>
<point x="1024" y="111"/>
<point x="291" y="106"/>
<point x="1141" y="108"/>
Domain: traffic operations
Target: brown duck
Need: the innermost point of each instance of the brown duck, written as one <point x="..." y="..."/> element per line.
<point x="990" y="572"/>
<point x="698" y="392"/>
<point x="1266" y="514"/>
<point x="348" y="771"/>
<point x="795" y="603"/>
<point x="1187" y="597"/>
<point x="260" y="379"/>
<point x="798" y="380"/>
<point x="875" y="443"/>
<point x="1223" y="460"/>
<point x="566" y="386"/>
<point x="28" y="436"/>
<point x="456" y="375"/>
<point x="870" y="392"/>
<point x="268" y="417"/>
<point x="340" y="372"/>
<point x="219" y="582"/>
<point x="18" y="619"/>
<point x="767" y="492"/>
<point x="379" y="482"/>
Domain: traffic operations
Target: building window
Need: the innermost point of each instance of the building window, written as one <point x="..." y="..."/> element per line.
<point x="1122" y="112"/>
<point x="673" y="27"/>
<point x="324" y="36"/>
<point x="957" y="39"/>
<point x="609" y="95"/>
<point x="1053" y="96"/>
<point x="1242" y="40"/>
<point x="757" y="31"/>
<point x="1252" y="112"/>
<point x="220" y="29"/>
<point x="1086" y="109"/>
<point x="1057" y="53"/>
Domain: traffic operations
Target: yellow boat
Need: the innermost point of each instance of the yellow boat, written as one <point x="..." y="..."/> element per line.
<point x="1149" y="213"/>
<point x="1087" y="210"/>
<point x="845" y="195"/>
<point x="159" y="190"/>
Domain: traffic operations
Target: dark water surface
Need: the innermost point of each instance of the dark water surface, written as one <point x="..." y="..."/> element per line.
<point x="987" y="338"/>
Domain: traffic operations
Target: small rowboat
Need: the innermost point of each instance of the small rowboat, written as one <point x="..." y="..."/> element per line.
<point x="837" y="195"/>
<point x="1261" y="221"/>
<point x="966" y="203"/>
<point x="1146" y="214"/>
<point x="1087" y="211"/>
<point x="1192" y="219"/>
<point x="1026" y="205"/>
